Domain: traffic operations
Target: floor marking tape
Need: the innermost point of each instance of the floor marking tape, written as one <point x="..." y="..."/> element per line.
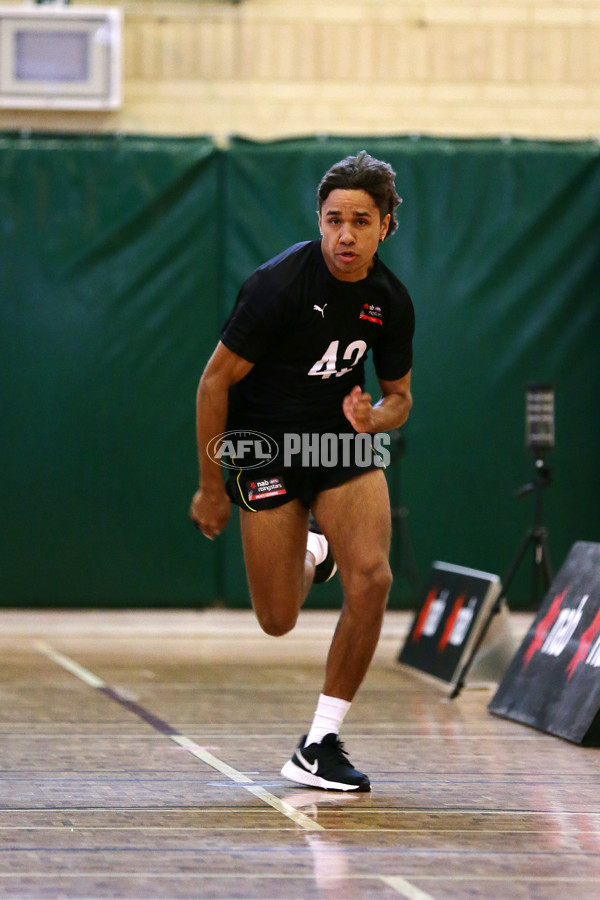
<point x="70" y="665"/>
<point x="521" y="879"/>
<point x="214" y="828"/>
<point x="158" y="829"/>
<point x="264" y="876"/>
<point x="209" y="758"/>
<point x="168" y="731"/>
<point x="405" y="888"/>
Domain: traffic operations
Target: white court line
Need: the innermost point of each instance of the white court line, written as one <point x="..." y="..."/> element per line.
<point x="235" y="828"/>
<point x="211" y="760"/>
<point x="71" y="666"/>
<point x="212" y="876"/>
<point x="509" y="879"/>
<point x="204" y="755"/>
<point x="405" y="888"/>
<point x="299" y="876"/>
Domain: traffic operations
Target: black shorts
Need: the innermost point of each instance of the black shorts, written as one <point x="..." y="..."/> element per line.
<point x="269" y="487"/>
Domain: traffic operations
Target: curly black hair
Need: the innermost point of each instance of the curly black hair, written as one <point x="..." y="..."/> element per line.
<point x="363" y="172"/>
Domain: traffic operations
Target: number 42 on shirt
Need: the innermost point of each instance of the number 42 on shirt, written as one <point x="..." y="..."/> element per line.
<point x="327" y="365"/>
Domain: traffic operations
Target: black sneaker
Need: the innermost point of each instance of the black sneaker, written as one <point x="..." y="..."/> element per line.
<point x="327" y="569"/>
<point x="325" y="765"/>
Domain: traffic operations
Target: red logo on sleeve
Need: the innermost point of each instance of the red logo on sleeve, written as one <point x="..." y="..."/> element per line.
<point x="371" y="313"/>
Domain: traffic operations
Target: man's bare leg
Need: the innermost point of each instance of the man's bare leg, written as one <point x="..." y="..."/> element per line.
<point x="355" y="518"/>
<point x="279" y="570"/>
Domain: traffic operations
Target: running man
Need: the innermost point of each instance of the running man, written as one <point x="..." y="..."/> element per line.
<point x="290" y="365"/>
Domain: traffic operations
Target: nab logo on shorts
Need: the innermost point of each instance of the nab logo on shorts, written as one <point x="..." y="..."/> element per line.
<point x="268" y="487"/>
<point x="242" y="449"/>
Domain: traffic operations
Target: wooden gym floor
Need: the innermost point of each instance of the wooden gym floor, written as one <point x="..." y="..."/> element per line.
<point x="140" y="757"/>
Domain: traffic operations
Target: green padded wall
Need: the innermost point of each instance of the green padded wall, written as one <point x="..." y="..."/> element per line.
<point x="122" y="256"/>
<point x="110" y="284"/>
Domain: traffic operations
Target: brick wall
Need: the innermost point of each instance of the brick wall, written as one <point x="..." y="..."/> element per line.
<point x="271" y="68"/>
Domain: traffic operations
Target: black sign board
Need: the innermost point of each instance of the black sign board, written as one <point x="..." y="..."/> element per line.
<point x="553" y="682"/>
<point x="457" y="601"/>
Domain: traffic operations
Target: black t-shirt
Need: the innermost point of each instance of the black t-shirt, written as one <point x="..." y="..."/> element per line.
<point x="308" y="335"/>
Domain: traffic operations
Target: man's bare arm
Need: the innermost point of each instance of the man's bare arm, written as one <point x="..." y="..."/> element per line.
<point x="388" y="413"/>
<point x="210" y="508"/>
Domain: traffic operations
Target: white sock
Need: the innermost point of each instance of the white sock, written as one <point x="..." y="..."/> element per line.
<point x="317" y="545"/>
<point x="329" y="715"/>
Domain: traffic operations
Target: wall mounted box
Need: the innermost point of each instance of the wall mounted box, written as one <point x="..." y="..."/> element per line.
<point x="58" y="57"/>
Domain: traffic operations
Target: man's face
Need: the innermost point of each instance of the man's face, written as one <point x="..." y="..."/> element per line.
<point x="352" y="228"/>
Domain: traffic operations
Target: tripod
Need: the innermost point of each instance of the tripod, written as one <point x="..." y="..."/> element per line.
<point x="542" y="569"/>
<point x="536" y="535"/>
